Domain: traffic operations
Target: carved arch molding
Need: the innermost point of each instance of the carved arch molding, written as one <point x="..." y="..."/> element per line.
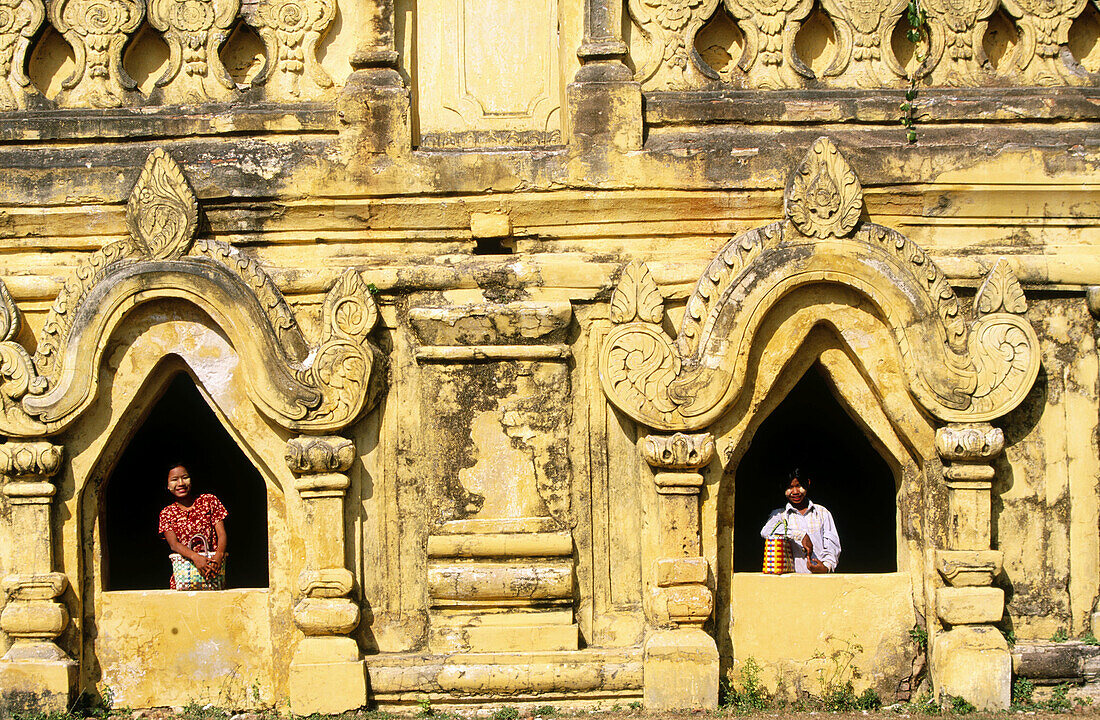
<point x="312" y="387"/>
<point x="962" y="367"/>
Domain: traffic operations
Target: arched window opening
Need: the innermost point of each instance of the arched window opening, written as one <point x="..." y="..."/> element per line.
<point x="810" y="430"/>
<point x="180" y="427"/>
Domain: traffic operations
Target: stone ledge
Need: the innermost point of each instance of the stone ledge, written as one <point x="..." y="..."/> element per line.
<point x="1051" y="663"/>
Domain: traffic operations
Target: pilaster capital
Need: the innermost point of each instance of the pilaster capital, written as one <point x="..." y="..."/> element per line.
<point x="34" y="586"/>
<point x="36" y="460"/>
<point x="680" y="451"/>
<point x="311" y="455"/>
<point x="969" y="442"/>
<point x="969" y="568"/>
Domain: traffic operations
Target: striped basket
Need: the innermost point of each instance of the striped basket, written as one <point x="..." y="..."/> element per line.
<point x="777" y="556"/>
<point x="188" y="576"/>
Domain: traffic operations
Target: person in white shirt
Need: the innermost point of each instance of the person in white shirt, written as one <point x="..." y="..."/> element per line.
<point x="809" y="528"/>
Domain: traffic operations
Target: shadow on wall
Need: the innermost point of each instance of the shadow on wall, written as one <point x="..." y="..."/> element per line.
<point x="810" y="430"/>
<point x="180" y="428"/>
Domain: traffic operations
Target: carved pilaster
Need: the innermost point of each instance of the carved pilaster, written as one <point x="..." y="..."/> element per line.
<point x="98" y="31"/>
<point x="966" y="604"/>
<point x="19" y="22"/>
<point x="604" y="101"/>
<point x="291" y="31"/>
<point x="681" y="663"/>
<point x="194" y="31"/>
<point x="33" y="617"/>
<point x="327" y="674"/>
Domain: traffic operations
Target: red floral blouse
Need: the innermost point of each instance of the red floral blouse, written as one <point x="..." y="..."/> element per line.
<point x="195" y="521"/>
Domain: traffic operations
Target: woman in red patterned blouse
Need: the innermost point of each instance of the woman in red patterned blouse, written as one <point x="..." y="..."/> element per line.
<point x="190" y="517"/>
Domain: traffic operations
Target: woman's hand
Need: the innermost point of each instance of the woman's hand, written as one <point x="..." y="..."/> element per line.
<point x="200" y="562"/>
<point x="816" y="566"/>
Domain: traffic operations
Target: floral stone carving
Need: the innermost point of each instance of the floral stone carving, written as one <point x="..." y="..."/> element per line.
<point x="769" y="60"/>
<point x="318" y="388"/>
<point x="957" y="28"/>
<point x="1044" y="34"/>
<point x="291" y="30"/>
<point x="864" y="56"/>
<point x="19" y="21"/>
<point x="670" y="26"/>
<point x="959" y="370"/>
<point x="98" y="31"/>
<point x="824" y="197"/>
<point x="194" y="31"/>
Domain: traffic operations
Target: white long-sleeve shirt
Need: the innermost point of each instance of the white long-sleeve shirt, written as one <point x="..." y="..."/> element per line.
<point x="817" y="523"/>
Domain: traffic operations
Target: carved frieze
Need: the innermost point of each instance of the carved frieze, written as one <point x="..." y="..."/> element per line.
<point x="960" y="370"/>
<point x="318" y="387"/>
<point x="864" y="56"/>
<point x="1044" y="35"/>
<point x="769" y="60"/>
<point x="291" y="31"/>
<point x="194" y="31"/>
<point x="98" y="31"/>
<point x="671" y="26"/>
<point x="957" y="28"/>
<point x="19" y="21"/>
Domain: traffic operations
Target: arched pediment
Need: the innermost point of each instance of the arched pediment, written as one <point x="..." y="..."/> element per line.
<point x="319" y="386"/>
<point x="959" y="369"/>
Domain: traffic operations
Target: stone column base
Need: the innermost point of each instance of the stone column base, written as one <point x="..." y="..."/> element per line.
<point x="974" y="663"/>
<point x="680" y="670"/>
<point x="36" y="685"/>
<point x="605" y="111"/>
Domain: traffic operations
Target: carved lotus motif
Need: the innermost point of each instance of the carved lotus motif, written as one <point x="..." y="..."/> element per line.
<point x="824" y="197"/>
<point x="957" y="28"/>
<point x="98" y="31"/>
<point x="19" y="20"/>
<point x="1044" y="30"/>
<point x="194" y="30"/>
<point x="770" y="27"/>
<point x="673" y="14"/>
<point x="291" y="30"/>
<point x="864" y="54"/>
<point x="162" y="213"/>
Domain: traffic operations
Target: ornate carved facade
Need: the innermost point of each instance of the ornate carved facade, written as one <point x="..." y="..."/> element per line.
<point x="510" y="310"/>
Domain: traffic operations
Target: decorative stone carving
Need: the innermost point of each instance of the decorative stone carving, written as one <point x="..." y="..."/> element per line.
<point x="1044" y="35"/>
<point x="162" y="213"/>
<point x="19" y="21"/>
<point x="30" y="459"/>
<point x="98" y="31"/>
<point x="864" y="55"/>
<point x="770" y="26"/>
<point x="1000" y="292"/>
<point x="320" y="388"/>
<point x="310" y="454"/>
<point x="969" y="449"/>
<point x="636" y="296"/>
<point x="194" y="31"/>
<point x="959" y="371"/>
<point x="670" y="26"/>
<point x="291" y="30"/>
<point x="969" y="568"/>
<point x="679" y="451"/>
<point x="824" y="197"/>
<point x="956" y="31"/>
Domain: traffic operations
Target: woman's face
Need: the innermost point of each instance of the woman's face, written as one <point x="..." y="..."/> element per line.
<point x="795" y="492"/>
<point x="179" y="482"/>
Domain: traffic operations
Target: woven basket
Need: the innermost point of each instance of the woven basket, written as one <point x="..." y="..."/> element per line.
<point x="188" y="576"/>
<point x="777" y="556"/>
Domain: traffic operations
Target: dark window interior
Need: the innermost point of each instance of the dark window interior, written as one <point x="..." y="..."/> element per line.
<point x="181" y="427"/>
<point x="812" y="431"/>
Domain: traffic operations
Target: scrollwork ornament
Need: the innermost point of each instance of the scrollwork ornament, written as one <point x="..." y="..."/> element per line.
<point x="1044" y="38"/>
<point x="162" y="213"/>
<point x="956" y="30"/>
<point x="194" y="31"/>
<point x="670" y="27"/>
<point x="98" y="31"/>
<point x="769" y="60"/>
<point x="824" y="197"/>
<point x="343" y="362"/>
<point x="864" y="55"/>
<point x="291" y="30"/>
<point x="19" y="21"/>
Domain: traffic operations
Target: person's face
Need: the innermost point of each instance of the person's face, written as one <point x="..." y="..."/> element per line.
<point x="179" y="482"/>
<point x="796" y="493"/>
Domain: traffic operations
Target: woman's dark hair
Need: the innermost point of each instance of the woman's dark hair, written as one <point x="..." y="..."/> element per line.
<point x="797" y="472"/>
<point x="174" y="463"/>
